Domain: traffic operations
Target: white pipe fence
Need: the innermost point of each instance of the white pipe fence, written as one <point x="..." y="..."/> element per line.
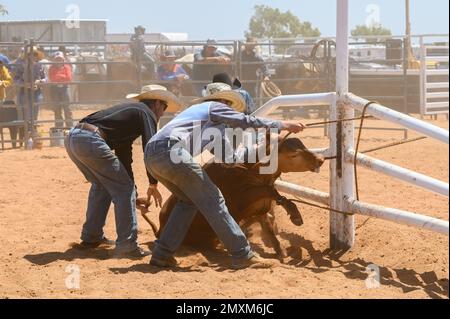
<point x="295" y="101"/>
<point x="401" y="173"/>
<point x="400" y="216"/>
<point x="379" y="111"/>
<point x="342" y="139"/>
<point x="304" y="192"/>
<point x="401" y="119"/>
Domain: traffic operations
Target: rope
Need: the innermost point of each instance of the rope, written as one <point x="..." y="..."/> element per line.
<point x="337" y="121"/>
<point x="355" y="169"/>
<point x="298" y="200"/>
<point x="393" y="144"/>
<point x="362" y="117"/>
<point x="385" y="146"/>
<point x="270" y="89"/>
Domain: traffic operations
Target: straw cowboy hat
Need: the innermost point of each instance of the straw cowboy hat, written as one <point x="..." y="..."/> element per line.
<point x="158" y="92"/>
<point x="222" y="91"/>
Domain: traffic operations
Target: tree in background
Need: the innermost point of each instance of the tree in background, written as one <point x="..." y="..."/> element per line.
<point x="3" y="10"/>
<point x="362" y="30"/>
<point x="268" y="22"/>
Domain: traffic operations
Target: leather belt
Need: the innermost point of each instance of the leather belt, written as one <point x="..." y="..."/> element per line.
<point x="91" y="128"/>
<point x="165" y="143"/>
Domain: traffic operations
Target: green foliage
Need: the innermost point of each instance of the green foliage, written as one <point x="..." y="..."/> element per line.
<point x="362" y="30"/>
<point x="268" y="22"/>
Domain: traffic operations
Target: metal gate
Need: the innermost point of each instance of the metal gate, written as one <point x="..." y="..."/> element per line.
<point x="434" y="79"/>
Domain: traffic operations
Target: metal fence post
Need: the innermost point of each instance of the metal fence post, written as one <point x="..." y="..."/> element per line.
<point x="423" y="77"/>
<point x="237" y="59"/>
<point x="406" y="43"/>
<point x="33" y="113"/>
<point x="23" y="109"/>
<point x="342" y="231"/>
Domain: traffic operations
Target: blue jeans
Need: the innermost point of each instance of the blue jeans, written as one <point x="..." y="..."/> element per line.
<point x="22" y="99"/>
<point x="61" y="101"/>
<point x="195" y="192"/>
<point x="110" y="183"/>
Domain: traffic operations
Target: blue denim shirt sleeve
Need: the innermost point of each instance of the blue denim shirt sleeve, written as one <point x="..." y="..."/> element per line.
<point x="250" y="104"/>
<point x="222" y="113"/>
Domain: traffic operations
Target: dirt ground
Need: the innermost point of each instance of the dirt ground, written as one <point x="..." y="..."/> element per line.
<point x="42" y="205"/>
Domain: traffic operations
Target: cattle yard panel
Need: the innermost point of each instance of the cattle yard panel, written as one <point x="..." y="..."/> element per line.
<point x="107" y="91"/>
<point x="434" y="79"/>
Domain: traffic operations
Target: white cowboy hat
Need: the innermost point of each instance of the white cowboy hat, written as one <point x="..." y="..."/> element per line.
<point x="158" y="92"/>
<point x="222" y="91"/>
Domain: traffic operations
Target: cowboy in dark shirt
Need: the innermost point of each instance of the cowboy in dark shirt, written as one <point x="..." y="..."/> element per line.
<point x="250" y="66"/>
<point x="90" y="145"/>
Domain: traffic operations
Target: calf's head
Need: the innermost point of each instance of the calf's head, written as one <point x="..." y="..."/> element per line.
<point x="293" y="156"/>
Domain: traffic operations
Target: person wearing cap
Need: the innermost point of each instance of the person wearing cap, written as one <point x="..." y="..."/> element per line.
<point x="208" y="62"/>
<point x="250" y="106"/>
<point x="252" y="64"/>
<point x="5" y="80"/>
<point x="169" y="157"/>
<point x="171" y="71"/>
<point x="60" y="75"/>
<point x="101" y="147"/>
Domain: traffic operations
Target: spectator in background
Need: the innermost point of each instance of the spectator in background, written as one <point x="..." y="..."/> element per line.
<point x="207" y="63"/>
<point x="5" y="79"/>
<point x="171" y="71"/>
<point x="250" y="71"/>
<point x="139" y="54"/>
<point x="27" y="90"/>
<point x="60" y="75"/>
<point x="63" y="49"/>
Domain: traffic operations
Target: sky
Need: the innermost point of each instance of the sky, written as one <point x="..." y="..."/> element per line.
<point x="229" y="19"/>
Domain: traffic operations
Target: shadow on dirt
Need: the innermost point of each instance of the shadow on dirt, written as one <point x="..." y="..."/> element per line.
<point x="321" y="261"/>
<point x="74" y="252"/>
